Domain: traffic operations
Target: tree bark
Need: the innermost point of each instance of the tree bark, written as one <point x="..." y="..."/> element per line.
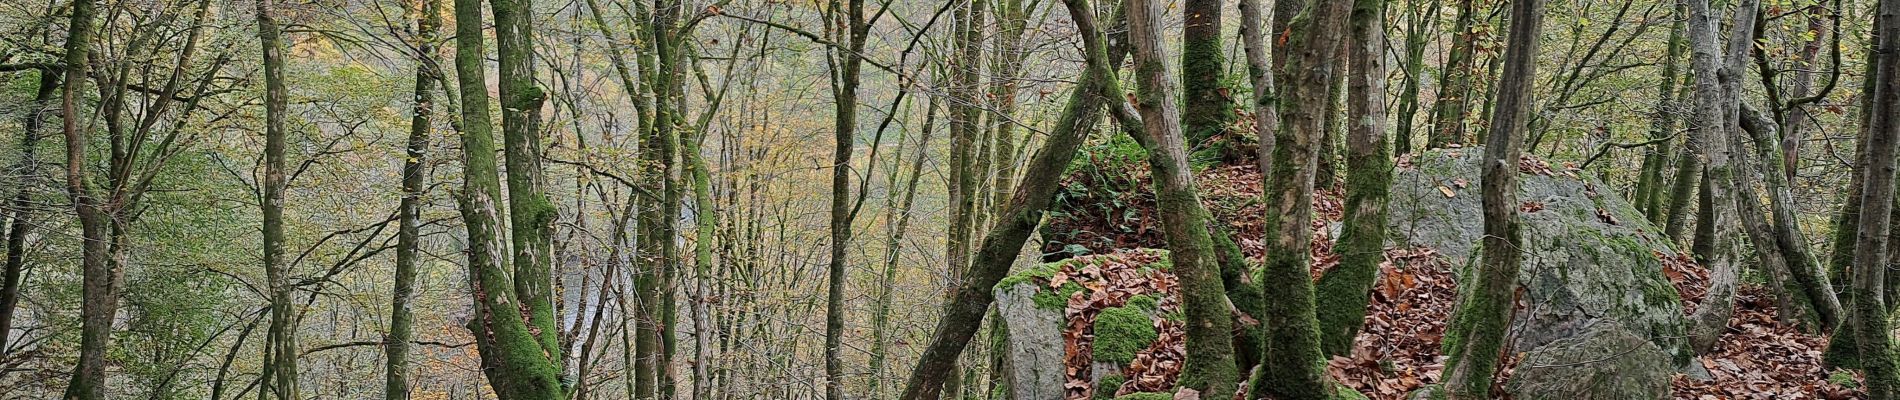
<point x="1476" y="341"/>
<point x="516" y="364"/>
<point x="847" y="62"/>
<point x="1344" y="290"/>
<point x="99" y="286"/>
<point x="282" y="332"/>
<point x="1716" y="117"/>
<point x="1454" y="83"/>
<point x="1184" y="221"/>
<point x="1205" y="111"/>
<point x="1292" y="329"/>
<point x="21" y="206"/>
<point x="409" y="235"/>
<point x="1868" y="321"/>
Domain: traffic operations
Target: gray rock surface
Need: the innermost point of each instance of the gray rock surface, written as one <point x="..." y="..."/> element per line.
<point x="1588" y="255"/>
<point x="1606" y="362"/>
<point x="1035" y="343"/>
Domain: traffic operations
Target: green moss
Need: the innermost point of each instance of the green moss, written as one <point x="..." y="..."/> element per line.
<point x="1145" y="396"/>
<point x="1144" y="302"/>
<point x="1106" y="387"/>
<point x="1843" y="378"/>
<point x="1120" y="332"/>
<point x="1044" y="271"/>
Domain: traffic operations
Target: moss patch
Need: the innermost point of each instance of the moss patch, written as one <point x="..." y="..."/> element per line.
<point x="1106" y="387"/>
<point x="1120" y="332"/>
<point x="1145" y="396"/>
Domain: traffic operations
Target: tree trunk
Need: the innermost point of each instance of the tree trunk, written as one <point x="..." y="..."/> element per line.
<point x="1018" y="218"/>
<point x="1184" y="221"/>
<point x="531" y="214"/>
<point x="1662" y="127"/>
<point x="1344" y="290"/>
<point x="1716" y="117"/>
<point x="1206" y="111"/>
<point x="1476" y="339"/>
<point x="409" y="235"/>
<point x="1868" y="322"/>
<point x="1292" y="329"/>
<point x="1261" y="73"/>
<point x="21" y="205"/>
<point x="1810" y="281"/>
<point x="1454" y="81"/>
<point x="845" y="100"/>
<point x="517" y="366"/>
<point x="900" y="213"/>
<point x="99" y="287"/>
<point x="1417" y="37"/>
<point x="282" y="364"/>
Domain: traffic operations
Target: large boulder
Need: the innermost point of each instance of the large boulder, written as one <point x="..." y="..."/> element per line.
<point x="1589" y="257"/>
<point x="1606" y="362"/>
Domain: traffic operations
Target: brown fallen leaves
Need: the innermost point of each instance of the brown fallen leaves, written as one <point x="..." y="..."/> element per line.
<point x="1109" y="280"/>
<point x="1761" y="359"/>
<point x="1397" y="351"/>
<point x="1758" y="358"/>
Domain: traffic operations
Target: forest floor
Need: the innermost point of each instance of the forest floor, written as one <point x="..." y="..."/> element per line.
<point x="1397" y="352"/>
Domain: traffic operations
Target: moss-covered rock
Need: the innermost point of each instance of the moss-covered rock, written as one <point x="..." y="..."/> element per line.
<point x="1589" y="256"/>
<point x="1033" y="311"/>
<point x="1120" y="332"/>
<point x="1604" y="362"/>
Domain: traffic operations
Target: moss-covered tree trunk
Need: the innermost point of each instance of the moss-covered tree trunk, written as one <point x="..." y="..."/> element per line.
<point x="1206" y="111"/>
<point x="516" y="365"/>
<point x="531" y="214"/>
<point x="1868" y="322"/>
<point x="409" y="218"/>
<point x="1344" y="290"/>
<point x="1476" y="340"/>
<point x="99" y="283"/>
<point x="1006" y="67"/>
<point x="1292" y="329"/>
<point x="1717" y="91"/>
<point x="1662" y="127"/>
<point x="972" y="296"/>
<point x="282" y="364"/>
<point x="1454" y="80"/>
<point x="1236" y="272"/>
<point x="1210" y="369"/>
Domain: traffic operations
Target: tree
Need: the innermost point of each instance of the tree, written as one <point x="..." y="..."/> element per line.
<point x="517" y="365"/>
<point x="100" y="286"/>
<point x="1454" y="82"/>
<point x="1206" y="111"/>
<point x="1344" y="290"/>
<point x="409" y="231"/>
<point x="1867" y="320"/>
<point x="999" y="248"/>
<point x="282" y="357"/>
<point x="1211" y="368"/>
<point x="1292" y="328"/>
<point x="848" y="62"/>
<point x="1717" y="93"/>
<point x="1475" y="340"/>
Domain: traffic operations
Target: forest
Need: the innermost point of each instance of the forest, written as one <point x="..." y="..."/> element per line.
<point x="949" y="199"/>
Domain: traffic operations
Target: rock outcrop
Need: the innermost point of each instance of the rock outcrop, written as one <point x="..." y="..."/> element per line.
<point x="1600" y="319"/>
<point x="1589" y="257"/>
